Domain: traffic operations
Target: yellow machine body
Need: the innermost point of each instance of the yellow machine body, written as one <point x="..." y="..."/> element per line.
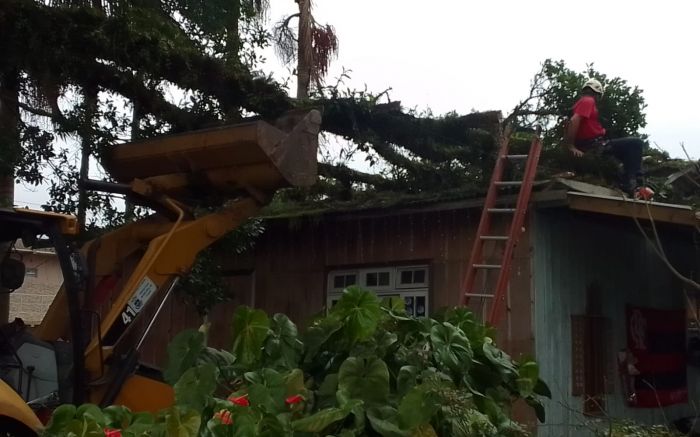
<point x="130" y="270"/>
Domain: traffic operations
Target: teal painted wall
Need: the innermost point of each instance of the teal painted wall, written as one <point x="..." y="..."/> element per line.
<point x="572" y="250"/>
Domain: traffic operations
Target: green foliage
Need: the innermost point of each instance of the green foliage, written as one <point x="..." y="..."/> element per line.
<point x="631" y="429"/>
<point x="250" y="328"/>
<point x="555" y="89"/>
<point x="204" y="285"/>
<point x="364" y="369"/>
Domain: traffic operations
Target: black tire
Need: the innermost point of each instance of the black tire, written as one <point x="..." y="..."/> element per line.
<point x="12" y="428"/>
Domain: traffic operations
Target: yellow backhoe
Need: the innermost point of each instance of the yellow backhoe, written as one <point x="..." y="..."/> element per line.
<point x="87" y="347"/>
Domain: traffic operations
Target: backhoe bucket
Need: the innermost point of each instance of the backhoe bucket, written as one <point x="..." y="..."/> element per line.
<point x="255" y="156"/>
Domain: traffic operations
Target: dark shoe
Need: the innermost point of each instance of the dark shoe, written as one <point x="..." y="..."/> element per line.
<point x="629" y="186"/>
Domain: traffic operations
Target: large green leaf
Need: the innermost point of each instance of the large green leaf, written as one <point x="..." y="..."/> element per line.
<point x="538" y="407"/>
<point x="406" y="379"/>
<point x="528" y="373"/>
<point x="417" y="408"/>
<point x="245" y="425"/>
<point x="384" y="420"/>
<point x="320" y="420"/>
<point x="196" y="386"/>
<point x="366" y="379"/>
<point x="91" y="413"/>
<point x="183" y="352"/>
<point x="317" y="336"/>
<point x="542" y="389"/>
<point x="182" y="423"/>
<point x="267" y="389"/>
<point x="497" y="357"/>
<point x="250" y="329"/>
<point x="117" y="416"/>
<point x="395" y="307"/>
<point x="283" y="348"/>
<point x="451" y="347"/>
<point x="271" y="426"/>
<point x="326" y="393"/>
<point x="62" y="415"/>
<point x="360" y="312"/>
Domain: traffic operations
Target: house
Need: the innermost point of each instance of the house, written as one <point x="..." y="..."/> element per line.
<point x="589" y="296"/>
<point x="42" y="280"/>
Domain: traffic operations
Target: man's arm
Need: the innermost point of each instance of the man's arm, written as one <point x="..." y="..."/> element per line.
<point x="570" y="135"/>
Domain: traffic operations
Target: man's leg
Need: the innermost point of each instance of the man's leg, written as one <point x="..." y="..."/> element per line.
<point x="628" y="151"/>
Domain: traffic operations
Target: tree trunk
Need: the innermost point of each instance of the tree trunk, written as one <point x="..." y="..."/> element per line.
<point x="305" y="55"/>
<point x="86" y="146"/>
<point x="9" y="147"/>
<point x="129" y="207"/>
<point x="233" y="42"/>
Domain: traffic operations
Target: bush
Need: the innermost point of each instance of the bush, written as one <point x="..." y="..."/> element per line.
<point x="365" y="369"/>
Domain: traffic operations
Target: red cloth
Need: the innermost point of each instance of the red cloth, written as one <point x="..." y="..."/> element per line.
<point x="656" y="340"/>
<point x="590" y="127"/>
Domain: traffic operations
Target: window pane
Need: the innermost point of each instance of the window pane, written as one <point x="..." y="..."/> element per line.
<point x="338" y="281"/>
<point x="420" y="306"/>
<point x="407" y="277"/>
<point x="384" y="279"/>
<point x="408" y="300"/>
<point x="371" y="279"/>
<point x="418" y="276"/>
<point x="350" y="280"/>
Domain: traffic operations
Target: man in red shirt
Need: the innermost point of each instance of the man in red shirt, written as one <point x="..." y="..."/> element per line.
<point x="585" y="133"/>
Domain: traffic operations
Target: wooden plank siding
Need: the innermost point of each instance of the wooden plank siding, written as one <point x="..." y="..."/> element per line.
<point x="288" y="268"/>
<point x="292" y="259"/>
<point x="575" y="251"/>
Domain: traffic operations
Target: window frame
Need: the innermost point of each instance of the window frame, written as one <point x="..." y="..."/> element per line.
<point x="412" y="285"/>
<point x="332" y="275"/>
<point x="394" y="289"/>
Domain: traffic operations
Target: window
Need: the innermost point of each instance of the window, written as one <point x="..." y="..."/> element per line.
<point x="407" y="283"/>
<point x="342" y="280"/>
<point x="593" y="365"/>
<point x="31" y="273"/>
<point x="412" y="277"/>
<point x="377" y="279"/>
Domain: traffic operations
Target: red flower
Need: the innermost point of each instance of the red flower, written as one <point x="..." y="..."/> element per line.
<point x="224" y="416"/>
<point x="240" y="401"/>
<point x="112" y="432"/>
<point x="294" y="399"/>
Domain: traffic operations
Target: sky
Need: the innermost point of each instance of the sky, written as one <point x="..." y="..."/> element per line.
<point x="466" y="55"/>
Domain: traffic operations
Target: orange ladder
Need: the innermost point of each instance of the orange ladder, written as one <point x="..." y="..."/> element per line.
<point x="477" y="262"/>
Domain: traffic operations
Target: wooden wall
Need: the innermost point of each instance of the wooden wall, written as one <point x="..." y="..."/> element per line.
<point x="287" y="270"/>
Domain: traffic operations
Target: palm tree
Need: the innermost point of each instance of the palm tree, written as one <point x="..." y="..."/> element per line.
<point x="313" y="47"/>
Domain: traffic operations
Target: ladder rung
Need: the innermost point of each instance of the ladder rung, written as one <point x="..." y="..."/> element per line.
<point x="494" y="237"/>
<point x="487" y="266"/>
<point x="515" y="156"/>
<point x="508" y="183"/>
<point x="478" y="295"/>
<point x="502" y="210"/>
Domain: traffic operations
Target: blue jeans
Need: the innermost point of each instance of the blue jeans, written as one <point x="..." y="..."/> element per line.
<point x="627" y="150"/>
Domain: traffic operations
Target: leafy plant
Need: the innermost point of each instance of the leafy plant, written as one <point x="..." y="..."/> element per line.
<point x="365" y="369"/>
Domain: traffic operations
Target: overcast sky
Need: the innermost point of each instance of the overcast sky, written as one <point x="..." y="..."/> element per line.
<point x="463" y="55"/>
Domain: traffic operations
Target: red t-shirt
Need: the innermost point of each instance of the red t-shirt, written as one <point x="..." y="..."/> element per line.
<point x="590" y="127"/>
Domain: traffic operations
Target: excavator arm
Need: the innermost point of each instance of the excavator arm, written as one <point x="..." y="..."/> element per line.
<point x="132" y="269"/>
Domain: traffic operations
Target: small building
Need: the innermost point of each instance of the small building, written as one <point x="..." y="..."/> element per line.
<point x="42" y="280"/>
<point x="590" y="298"/>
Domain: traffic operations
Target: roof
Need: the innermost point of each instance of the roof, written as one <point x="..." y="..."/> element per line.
<point x="558" y="192"/>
